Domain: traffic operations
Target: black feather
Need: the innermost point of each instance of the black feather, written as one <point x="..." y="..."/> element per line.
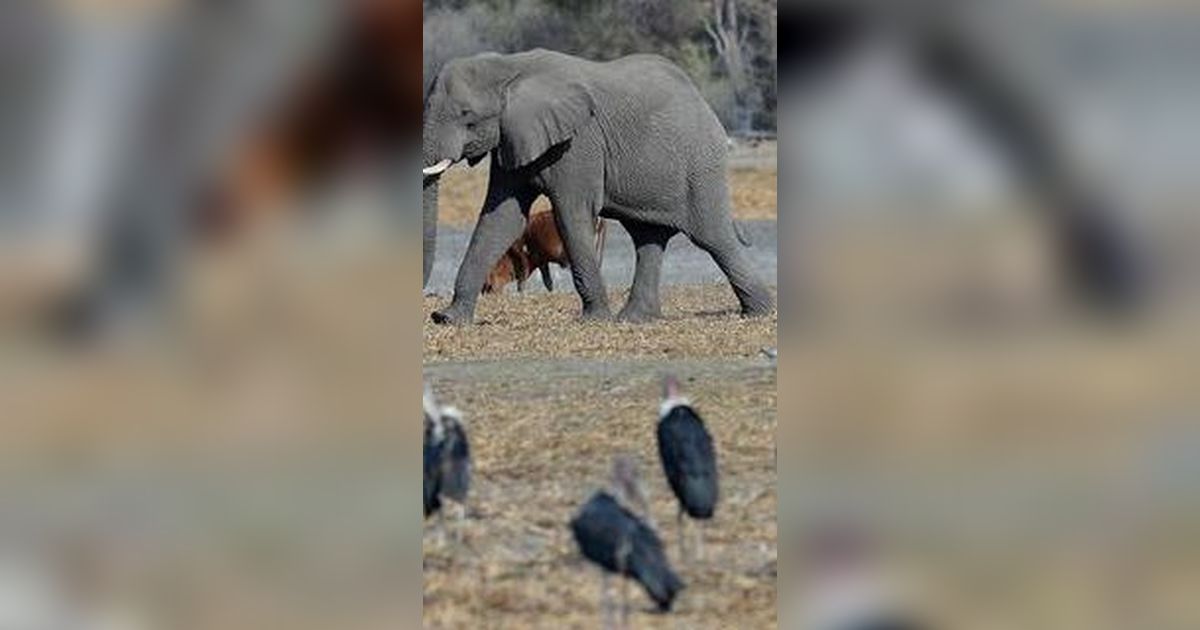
<point x="432" y="473"/>
<point x="456" y="462"/>
<point x="689" y="461"/>
<point x="618" y="541"/>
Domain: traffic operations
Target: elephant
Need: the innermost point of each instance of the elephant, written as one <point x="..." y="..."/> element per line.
<point x="629" y="139"/>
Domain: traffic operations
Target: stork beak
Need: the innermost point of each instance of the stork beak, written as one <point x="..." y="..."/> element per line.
<point x="670" y="387"/>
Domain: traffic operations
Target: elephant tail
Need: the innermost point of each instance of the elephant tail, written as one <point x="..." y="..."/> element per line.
<point x="741" y="234"/>
<point x="600" y="232"/>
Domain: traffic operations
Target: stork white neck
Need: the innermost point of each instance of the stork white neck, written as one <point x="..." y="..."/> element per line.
<point x="429" y="404"/>
<point x="670" y="403"/>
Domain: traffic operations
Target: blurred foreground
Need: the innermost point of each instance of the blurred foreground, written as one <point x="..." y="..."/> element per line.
<point x="1017" y="462"/>
<point x="1011" y="459"/>
<point x="246" y="471"/>
<point x="231" y="451"/>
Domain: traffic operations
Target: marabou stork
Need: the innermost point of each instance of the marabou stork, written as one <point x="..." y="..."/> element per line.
<point x="688" y="459"/>
<point x="610" y="534"/>
<point x="447" y="458"/>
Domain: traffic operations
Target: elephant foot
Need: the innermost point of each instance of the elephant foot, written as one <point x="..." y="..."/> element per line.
<point x="638" y="314"/>
<point x="596" y="314"/>
<point x="757" y="311"/>
<point x="452" y="317"/>
<point x="758" y="306"/>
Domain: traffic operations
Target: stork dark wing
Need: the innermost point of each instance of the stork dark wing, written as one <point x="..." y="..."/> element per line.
<point x="608" y="534"/>
<point x="432" y="473"/>
<point x="456" y="463"/>
<point x="688" y="460"/>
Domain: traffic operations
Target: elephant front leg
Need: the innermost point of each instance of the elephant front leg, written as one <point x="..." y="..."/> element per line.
<point x="498" y="227"/>
<point x="650" y="241"/>
<point x="578" y="231"/>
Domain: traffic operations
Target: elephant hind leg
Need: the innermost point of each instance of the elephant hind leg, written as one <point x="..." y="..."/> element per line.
<point x="726" y="250"/>
<point x="649" y="242"/>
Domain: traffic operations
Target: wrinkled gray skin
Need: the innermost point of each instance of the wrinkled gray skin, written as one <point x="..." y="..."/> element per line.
<point x="630" y="140"/>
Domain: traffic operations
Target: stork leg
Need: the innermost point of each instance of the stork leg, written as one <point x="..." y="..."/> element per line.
<point x="683" y="547"/>
<point x="440" y="539"/>
<point x="624" y="603"/>
<point x="699" y="531"/>
<point x="606" y="608"/>
<point x="460" y="519"/>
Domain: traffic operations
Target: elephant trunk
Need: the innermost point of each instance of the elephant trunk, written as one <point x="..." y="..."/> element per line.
<point x="429" y="196"/>
<point x="429" y="201"/>
<point x="439" y="151"/>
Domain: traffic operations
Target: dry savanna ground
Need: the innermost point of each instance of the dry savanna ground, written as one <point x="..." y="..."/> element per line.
<point x="549" y="400"/>
<point x="699" y="322"/>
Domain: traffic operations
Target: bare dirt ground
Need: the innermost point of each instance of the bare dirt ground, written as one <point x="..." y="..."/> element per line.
<point x="699" y="322"/>
<point x="549" y="401"/>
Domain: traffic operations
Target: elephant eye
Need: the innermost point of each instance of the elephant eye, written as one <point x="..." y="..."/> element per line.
<point x="468" y="118"/>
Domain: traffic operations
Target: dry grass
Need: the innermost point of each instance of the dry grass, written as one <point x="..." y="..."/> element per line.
<point x="549" y="401"/>
<point x="755" y="196"/>
<point x="543" y="434"/>
<point x="698" y="322"/>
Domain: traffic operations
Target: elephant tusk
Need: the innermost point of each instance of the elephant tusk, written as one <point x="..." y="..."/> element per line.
<point x="437" y="169"/>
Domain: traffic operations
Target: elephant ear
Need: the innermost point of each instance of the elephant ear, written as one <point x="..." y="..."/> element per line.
<point x="540" y="112"/>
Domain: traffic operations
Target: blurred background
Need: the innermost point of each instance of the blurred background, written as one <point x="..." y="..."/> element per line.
<point x="961" y="440"/>
<point x="208" y="315"/>
<point x="208" y="320"/>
